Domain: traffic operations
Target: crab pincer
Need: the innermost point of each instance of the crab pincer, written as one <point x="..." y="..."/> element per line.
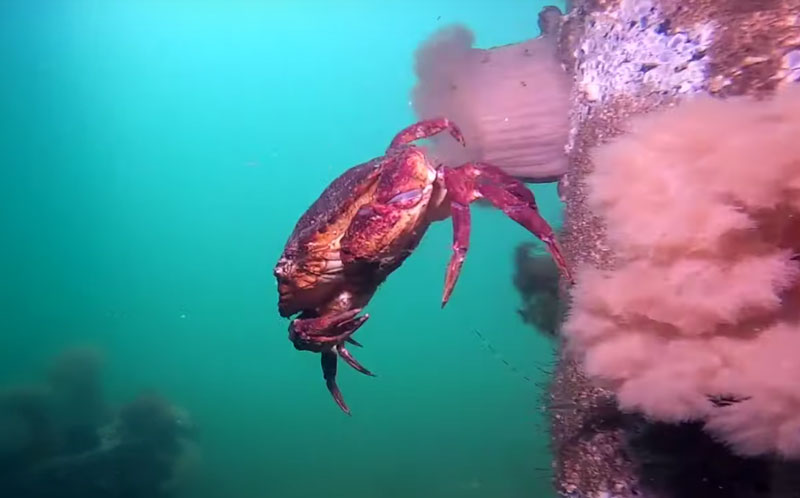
<point x="326" y="335"/>
<point x="472" y="181"/>
<point x="324" y="332"/>
<point x="329" y="367"/>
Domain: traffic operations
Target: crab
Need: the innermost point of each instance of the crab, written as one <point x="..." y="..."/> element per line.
<point x="368" y="221"/>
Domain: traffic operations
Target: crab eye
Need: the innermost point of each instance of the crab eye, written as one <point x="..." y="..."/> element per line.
<point x="411" y="195"/>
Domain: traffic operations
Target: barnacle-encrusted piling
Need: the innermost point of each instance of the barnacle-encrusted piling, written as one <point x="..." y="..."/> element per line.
<point x="629" y="58"/>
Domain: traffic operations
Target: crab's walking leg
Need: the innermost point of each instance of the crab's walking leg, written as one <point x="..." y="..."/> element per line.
<point x="460" y="185"/>
<point x="425" y="129"/>
<point x="506" y="182"/>
<point x="461" y="227"/>
<point x="526" y="214"/>
<point x="329" y="372"/>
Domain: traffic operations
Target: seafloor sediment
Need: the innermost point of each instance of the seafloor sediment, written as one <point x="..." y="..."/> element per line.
<point x="628" y="57"/>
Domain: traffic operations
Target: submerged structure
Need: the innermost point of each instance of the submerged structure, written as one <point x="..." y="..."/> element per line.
<point x="681" y="180"/>
<point x="681" y="175"/>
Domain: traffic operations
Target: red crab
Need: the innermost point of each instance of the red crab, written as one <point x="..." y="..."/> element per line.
<point x="368" y="221"/>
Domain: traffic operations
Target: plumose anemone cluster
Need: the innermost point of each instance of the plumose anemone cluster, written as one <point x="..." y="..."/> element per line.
<point x="697" y="320"/>
<point x="511" y="102"/>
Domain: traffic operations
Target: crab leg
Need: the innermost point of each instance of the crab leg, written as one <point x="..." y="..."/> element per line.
<point x="460" y="185"/>
<point x="529" y="217"/>
<point x="461" y="225"/>
<point x="472" y="181"/>
<point x="328" y="361"/>
<point x="319" y="333"/>
<point x="425" y="129"/>
<point x="506" y="182"/>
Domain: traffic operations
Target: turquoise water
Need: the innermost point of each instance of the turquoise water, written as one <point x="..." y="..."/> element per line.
<point x="156" y="155"/>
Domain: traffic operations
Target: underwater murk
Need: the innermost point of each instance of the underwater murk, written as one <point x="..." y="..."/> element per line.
<point x="154" y="158"/>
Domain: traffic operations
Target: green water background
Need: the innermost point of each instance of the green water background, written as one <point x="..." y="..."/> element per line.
<point x="154" y="156"/>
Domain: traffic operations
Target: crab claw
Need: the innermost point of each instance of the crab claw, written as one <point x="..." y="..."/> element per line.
<point x="346" y="356"/>
<point x="329" y="365"/>
<point x="327" y="335"/>
<point x="354" y="342"/>
<point x="321" y="333"/>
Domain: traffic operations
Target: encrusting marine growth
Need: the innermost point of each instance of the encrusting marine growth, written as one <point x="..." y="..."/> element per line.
<point x="698" y="318"/>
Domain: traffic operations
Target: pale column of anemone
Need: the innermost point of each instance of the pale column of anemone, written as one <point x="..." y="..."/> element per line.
<point x="511" y="102"/>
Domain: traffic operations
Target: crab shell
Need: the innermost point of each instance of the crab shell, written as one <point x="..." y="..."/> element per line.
<point x="368" y="221"/>
<point x="361" y="228"/>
